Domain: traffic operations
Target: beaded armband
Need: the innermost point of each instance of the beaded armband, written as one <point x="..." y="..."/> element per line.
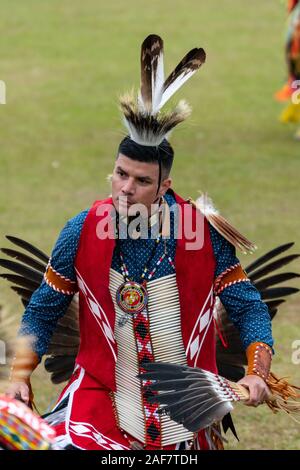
<point x="259" y="356"/>
<point x="230" y="276"/>
<point x="58" y="282"/>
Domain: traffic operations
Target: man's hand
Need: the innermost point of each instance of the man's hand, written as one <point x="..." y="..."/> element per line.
<point x="19" y="391"/>
<point x="258" y="389"/>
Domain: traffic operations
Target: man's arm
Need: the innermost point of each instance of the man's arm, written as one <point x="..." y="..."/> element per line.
<point x="46" y="306"/>
<point x="250" y="315"/>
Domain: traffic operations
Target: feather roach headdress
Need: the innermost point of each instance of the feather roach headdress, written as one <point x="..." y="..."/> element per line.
<point x="145" y="122"/>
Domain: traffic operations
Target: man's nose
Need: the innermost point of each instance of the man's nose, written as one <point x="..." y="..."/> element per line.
<point x="129" y="186"/>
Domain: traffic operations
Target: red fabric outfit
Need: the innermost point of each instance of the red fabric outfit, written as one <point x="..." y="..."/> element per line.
<point x="91" y="421"/>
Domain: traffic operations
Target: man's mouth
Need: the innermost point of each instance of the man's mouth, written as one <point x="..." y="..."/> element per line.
<point x="125" y="202"/>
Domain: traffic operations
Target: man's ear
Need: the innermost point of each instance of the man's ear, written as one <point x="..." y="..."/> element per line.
<point x="165" y="185"/>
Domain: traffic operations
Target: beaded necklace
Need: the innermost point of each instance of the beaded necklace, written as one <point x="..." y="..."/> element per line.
<point x="131" y="296"/>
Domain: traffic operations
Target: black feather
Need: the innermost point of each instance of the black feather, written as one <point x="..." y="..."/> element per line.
<point x="179" y="397"/>
<point x="25" y="259"/>
<point x="272" y="267"/>
<point x="178" y="384"/>
<point x="273" y="280"/>
<point x="267" y="256"/>
<point x="60" y="377"/>
<point x="62" y="331"/>
<point x="24" y="293"/>
<point x="275" y="292"/>
<point x="163" y="366"/>
<point x="227" y="423"/>
<point x="60" y="367"/>
<point x="69" y="323"/>
<point x="59" y="363"/>
<point x="272" y="306"/>
<point x="62" y="350"/>
<point x="28" y="247"/>
<point x="21" y="269"/>
<point x="25" y="302"/>
<point x="199" y="416"/>
<point x="67" y="340"/>
<point x="21" y="281"/>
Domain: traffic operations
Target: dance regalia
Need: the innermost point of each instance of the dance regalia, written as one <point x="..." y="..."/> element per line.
<point x="105" y="405"/>
<point x="177" y="326"/>
<point x="291" y="112"/>
<point x="292" y="46"/>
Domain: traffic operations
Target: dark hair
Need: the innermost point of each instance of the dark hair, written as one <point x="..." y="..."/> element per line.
<point x="163" y="154"/>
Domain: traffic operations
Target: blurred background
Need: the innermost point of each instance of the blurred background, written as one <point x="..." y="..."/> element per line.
<point x="65" y="62"/>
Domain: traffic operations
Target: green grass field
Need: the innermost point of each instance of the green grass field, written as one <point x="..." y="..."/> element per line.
<point x="64" y="64"/>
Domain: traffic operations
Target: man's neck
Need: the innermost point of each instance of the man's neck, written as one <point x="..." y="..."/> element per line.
<point x="158" y="221"/>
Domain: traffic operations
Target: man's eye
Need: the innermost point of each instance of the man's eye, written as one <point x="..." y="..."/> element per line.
<point x="120" y="173"/>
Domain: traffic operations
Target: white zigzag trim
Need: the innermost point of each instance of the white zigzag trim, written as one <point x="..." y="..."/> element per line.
<point x="109" y="442"/>
<point x="102" y="322"/>
<point x="197" y="325"/>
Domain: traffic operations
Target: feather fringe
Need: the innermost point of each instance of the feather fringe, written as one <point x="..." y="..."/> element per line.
<point x="285" y="396"/>
<point x="205" y="205"/>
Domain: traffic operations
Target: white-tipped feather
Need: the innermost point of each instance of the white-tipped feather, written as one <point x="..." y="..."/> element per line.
<point x="186" y="68"/>
<point x="157" y="84"/>
<point x="152" y="74"/>
<point x="205" y="204"/>
<point x="171" y="90"/>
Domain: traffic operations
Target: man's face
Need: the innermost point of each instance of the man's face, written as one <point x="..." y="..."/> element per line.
<point x="135" y="182"/>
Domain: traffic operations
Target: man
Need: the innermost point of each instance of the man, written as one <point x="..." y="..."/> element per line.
<point x="290" y="91"/>
<point x="146" y="289"/>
